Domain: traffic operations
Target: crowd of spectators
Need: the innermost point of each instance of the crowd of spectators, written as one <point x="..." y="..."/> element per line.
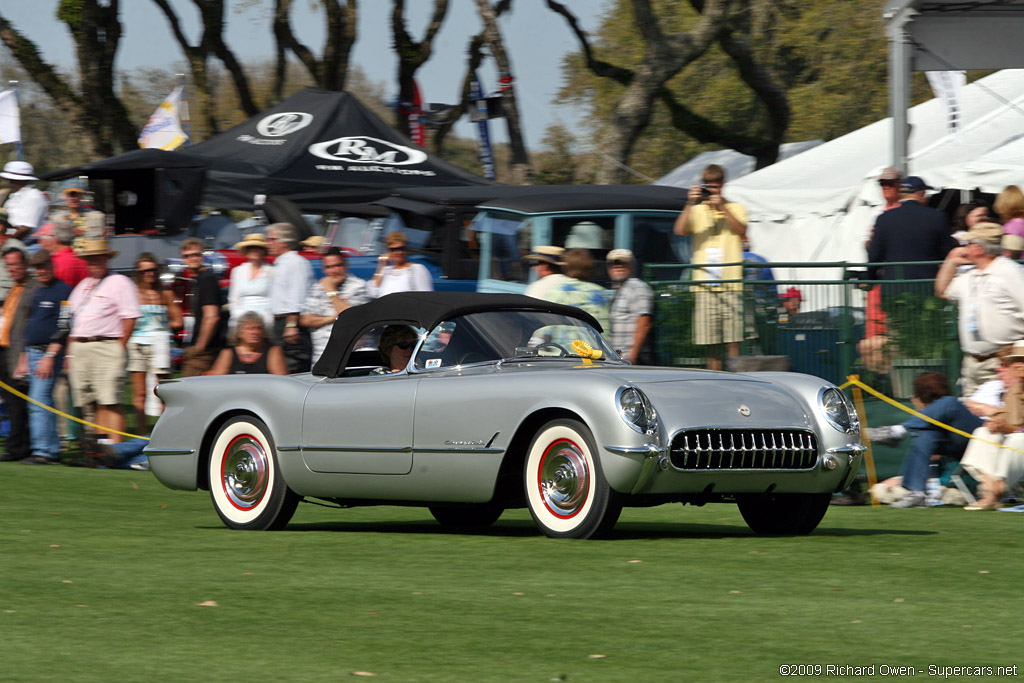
<point x="66" y="315"/>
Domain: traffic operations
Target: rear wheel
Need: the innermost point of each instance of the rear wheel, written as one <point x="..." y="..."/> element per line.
<point x="791" y="514"/>
<point x="245" y="484"/>
<point x="469" y="517"/>
<point x="566" y="491"/>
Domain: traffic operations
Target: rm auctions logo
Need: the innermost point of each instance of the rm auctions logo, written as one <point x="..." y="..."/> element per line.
<point x="283" y="123"/>
<point x="361" y="149"/>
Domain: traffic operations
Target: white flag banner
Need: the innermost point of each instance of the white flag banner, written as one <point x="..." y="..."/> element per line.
<point x="10" y="118"/>
<point x="163" y="129"/>
<point x="947" y="85"/>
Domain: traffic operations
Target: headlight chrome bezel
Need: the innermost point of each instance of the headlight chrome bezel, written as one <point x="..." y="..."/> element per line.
<point x="636" y="410"/>
<point x="838" y="410"/>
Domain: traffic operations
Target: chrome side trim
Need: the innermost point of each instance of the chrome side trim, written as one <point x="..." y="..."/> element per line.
<point x="168" y="451"/>
<point x="343" y="449"/>
<point x="286" y="449"/>
<point x="489" y="451"/>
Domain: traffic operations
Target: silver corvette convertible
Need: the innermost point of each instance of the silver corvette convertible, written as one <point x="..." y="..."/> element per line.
<point x="507" y="401"/>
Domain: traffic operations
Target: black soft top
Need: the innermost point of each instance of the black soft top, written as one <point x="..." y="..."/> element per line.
<point x="426" y="310"/>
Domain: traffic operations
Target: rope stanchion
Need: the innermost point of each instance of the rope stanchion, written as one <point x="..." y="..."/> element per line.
<point x="869" y="455"/>
<point x="11" y="390"/>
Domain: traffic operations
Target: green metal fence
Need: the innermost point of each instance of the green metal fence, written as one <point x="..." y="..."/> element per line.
<point x="887" y="331"/>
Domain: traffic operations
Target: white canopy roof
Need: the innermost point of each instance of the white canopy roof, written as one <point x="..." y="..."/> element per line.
<point x="736" y="165"/>
<point x="820" y="205"/>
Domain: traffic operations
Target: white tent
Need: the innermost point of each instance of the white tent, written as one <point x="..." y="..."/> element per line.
<point x="819" y="205"/>
<point x="736" y="165"/>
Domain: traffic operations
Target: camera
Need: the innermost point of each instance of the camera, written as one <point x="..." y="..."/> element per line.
<point x="705" y="193"/>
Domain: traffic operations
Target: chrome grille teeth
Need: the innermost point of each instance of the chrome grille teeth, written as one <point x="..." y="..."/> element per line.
<point x="744" y="449"/>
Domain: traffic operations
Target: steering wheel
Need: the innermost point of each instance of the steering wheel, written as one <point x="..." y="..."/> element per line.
<point x="562" y="351"/>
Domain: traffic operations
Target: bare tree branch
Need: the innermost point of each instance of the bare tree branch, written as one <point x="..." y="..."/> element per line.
<point x="331" y="71"/>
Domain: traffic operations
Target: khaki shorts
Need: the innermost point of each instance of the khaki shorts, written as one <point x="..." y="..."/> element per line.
<point x="97" y="372"/>
<point x="717" y="316"/>
<point x="142" y="359"/>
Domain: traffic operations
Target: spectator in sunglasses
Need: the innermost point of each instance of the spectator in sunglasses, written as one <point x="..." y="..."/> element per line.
<point x="396" y="345"/>
<point x="397" y="274"/>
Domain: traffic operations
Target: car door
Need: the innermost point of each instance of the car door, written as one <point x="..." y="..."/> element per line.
<point x="360" y="425"/>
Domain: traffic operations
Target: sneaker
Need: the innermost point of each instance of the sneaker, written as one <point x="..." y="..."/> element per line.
<point x="913" y="499"/>
<point x="40" y="460"/>
<point x="98" y="454"/>
<point x="884" y="436"/>
<point x="141" y="466"/>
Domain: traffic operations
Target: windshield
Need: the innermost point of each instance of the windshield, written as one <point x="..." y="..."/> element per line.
<point x="503" y="335"/>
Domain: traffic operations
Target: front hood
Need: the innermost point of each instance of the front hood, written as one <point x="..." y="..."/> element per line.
<point x="730" y="400"/>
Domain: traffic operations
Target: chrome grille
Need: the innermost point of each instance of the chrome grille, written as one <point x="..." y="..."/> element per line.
<point x="744" y="449"/>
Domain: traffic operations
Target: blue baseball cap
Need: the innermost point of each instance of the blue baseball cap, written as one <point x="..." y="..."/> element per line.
<point x="914" y="183"/>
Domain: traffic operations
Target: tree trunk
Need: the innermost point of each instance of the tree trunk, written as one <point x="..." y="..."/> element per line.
<point x="519" y="163"/>
<point x="97" y="111"/>
<point x="411" y="56"/>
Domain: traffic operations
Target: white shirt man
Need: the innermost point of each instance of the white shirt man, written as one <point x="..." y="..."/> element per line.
<point x="27" y="207"/>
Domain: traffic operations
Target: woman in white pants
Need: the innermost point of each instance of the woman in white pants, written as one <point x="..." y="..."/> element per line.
<point x="999" y="467"/>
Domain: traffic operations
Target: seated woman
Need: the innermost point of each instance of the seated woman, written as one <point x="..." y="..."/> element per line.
<point x="252" y="354"/>
<point x="931" y="398"/>
<point x="396" y="345"/>
<point x="998" y="468"/>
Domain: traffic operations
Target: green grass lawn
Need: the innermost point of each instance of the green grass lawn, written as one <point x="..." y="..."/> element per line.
<point x="108" y="576"/>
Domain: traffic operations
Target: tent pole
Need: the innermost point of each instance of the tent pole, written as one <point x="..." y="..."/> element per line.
<point x="900" y="67"/>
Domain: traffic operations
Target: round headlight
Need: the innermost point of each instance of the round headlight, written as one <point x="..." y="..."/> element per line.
<point x="839" y="412"/>
<point x="636" y="410"/>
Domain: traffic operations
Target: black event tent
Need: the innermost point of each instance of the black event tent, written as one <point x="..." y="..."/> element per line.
<point x="318" y="148"/>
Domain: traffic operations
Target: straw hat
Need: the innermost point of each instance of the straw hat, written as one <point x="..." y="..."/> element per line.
<point x="547" y="254"/>
<point x="313" y="241"/>
<point x="991" y="233"/>
<point x="98" y="247"/>
<point x="253" y="239"/>
<point x="1014" y="351"/>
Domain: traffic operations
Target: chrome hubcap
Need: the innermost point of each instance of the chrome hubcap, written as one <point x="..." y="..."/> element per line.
<point x="564" y="479"/>
<point x="245" y="472"/>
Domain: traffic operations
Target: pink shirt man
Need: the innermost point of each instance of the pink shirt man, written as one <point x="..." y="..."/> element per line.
<point x="98" y="307"/>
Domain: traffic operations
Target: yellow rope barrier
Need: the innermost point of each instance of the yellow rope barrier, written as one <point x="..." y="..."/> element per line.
<point x="854" y="380"/>
<point x="12" y="390"/>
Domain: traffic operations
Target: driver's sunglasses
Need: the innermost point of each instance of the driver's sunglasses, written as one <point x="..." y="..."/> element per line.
<point x="888" y="183"/>
<point x="144" y="271"/>
<point x="406" y="345"/>
<point x="620" y="263"/>
<point x="398" y="248"/>
<point x="191" y="254"/>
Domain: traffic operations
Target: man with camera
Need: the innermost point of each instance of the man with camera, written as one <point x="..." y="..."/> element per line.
<point x="718" y="228"/>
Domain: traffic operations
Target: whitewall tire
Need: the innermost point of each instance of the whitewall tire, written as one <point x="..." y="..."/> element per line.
<point x="566" y="491"/>
<point x="245" y="484"/>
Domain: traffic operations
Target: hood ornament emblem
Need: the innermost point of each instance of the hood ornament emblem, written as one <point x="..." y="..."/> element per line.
<point x="744" y="410"/>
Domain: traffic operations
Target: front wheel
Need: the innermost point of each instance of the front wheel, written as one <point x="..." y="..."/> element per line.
<point x="245" y="484"/>
<point x="789" y="514"/>
<point x="566" y="491"/>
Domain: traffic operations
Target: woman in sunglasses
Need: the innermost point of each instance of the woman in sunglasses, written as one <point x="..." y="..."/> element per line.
<point x="396" y="345"/>
<point x="149" y="347"/>
<point x="397" y="274"/>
